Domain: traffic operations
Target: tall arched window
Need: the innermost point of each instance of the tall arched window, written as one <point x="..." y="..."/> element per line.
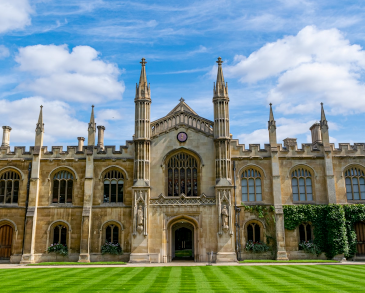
<point x="112" y="234"/>
<point x="302" y="185"/>
<point x="355" y="183"/>
<point x="251" y="185"/>
<point x="9" y="187"/>
<point x="113" y="187"/>
<point x="182" y="173"/>
<point x="60" y="235"/>
<point x="62" y="187"/>
<point x="253" y="232"/>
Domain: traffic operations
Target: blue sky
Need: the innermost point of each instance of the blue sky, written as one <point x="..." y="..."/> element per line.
<point x="68" y="55"/>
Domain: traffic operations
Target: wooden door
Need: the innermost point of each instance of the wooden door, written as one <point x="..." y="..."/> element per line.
<point x="6" y="237"/>
<point x="360" y="233"/>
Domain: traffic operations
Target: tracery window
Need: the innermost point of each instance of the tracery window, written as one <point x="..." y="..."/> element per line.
<point x="62" y="187"/>
<point x="251" y="185"/>
<point x="9" y="187"/>
<point x="113" y="187"/>
<point x="253" y="232"/>
<point x="302" y="185"/>
<point x="305" y="232"/>
<point x="355" y="184"/>
<point x="182" y="175"/>
<point x="112" y="234"/>
<point x="60" y="235"/>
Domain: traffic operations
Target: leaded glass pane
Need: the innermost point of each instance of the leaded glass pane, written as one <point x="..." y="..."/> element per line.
<point x="294" y="183"/>
<point x="257" y="233"/>
<point x="63" y="236"/>
<point x="113" y="191"/>
<point x="16" y="191"/>
<point x="62" y="191"/>
<point x="108" y="234"/>
<point x="2" y="191"/>
<point x="106" y="190"/>
<point x="55" y="191"/>
<point x="301" y="189"/>
<point x="355" y="187"/>
<point x="362" y="187"/>
<point x="115" y="234"/>
<point x="348" y="188"/>
<point x="309" y="189"/>
<point x="120" y="190"/>
<point x="251" y="189"/>
<point x="250" y="233"/>
<point x="69" y="191"/>
<point x="9" y="186"/>
<point x="258" y="189"/>
<point x="244" y="189"/>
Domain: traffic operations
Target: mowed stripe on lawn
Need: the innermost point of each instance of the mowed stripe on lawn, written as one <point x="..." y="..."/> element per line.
<point x="291" y="278"/>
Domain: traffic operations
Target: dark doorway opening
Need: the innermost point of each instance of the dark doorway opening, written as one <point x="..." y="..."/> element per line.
<point x="360" y="234"/>
<point x="183" y="244"/>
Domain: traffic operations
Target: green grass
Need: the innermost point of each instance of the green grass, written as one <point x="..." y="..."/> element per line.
<point x="285" y="261"/>
<point x="65" y="263"/>
<point x="290" y="278"/>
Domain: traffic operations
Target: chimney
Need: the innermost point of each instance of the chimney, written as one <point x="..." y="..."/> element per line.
<point x="81" y="143"/>
<point x="101" y="136"/>
<point x="316" y="133"/>
<point x="288" y="142"/>
<point x="6" y="136"/>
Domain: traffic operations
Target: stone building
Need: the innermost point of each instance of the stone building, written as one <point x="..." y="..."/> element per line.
<point x="178" y="189"/>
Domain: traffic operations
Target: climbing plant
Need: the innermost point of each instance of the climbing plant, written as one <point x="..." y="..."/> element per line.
<point x="329" y="222"/>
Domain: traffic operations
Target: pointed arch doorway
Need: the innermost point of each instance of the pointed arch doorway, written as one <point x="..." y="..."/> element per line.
<point x="183" y="239"/>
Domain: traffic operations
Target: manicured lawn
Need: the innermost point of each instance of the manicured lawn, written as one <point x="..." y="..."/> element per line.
<point x="284" y="261"/>
<point x="77" y="263"/>
<point x="291" y="278"/>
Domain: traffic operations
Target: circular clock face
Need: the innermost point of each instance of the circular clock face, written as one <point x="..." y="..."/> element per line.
<point x="182" y="137"/>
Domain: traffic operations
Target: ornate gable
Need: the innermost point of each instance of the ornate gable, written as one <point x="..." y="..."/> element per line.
<point x="182" y="114"/>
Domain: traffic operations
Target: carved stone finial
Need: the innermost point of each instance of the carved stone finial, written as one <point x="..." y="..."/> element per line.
<point x="143" y="62"/>
<point x="219" y="61"/>
<point x="182" y="100"/>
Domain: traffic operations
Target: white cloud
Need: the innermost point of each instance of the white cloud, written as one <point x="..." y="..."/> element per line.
<point x="4" y="52"/>
<point x="14" y="15"/>
<point x="313" y="66"/>
<point x="78" y="75"/>
<point x="59" y="120"/>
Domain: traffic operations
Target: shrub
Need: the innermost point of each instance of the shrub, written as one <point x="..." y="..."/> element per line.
<point x="256" y="247"/>
<point x="58" y="248"/>
<point x="310" y="247"/>
<point x="111" y="248"/>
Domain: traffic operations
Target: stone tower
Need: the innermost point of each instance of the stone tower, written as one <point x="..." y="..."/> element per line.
<point x="224" y="187"/>
<point x="141" y="185"/>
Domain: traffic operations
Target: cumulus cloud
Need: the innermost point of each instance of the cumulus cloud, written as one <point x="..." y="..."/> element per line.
<point x="78" y="75"/>
<point x="4" y="52"/>
<point x="313" y="66"/>
<point x="14" y="15"/>
<point x="60" y="122"/>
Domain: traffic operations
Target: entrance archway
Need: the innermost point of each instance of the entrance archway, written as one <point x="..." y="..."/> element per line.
<point x="6" y="238"/>
<point x="183" y="241"/>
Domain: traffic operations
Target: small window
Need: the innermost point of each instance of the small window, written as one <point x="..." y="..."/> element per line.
<point x="112" y="234"/>
<point x="60" y="235"/>
<point x="251" y="185"/>
<point x="253" y="232"/>
<point x="355" y="184"/>
<point x="62" y="187"/>
<point x="302" y="185"/>
<point x="9" y="187"/>
<point x="113" y="187"/>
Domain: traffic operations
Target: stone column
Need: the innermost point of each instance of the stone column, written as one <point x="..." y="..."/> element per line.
<point x="6" y="136"/>
<point x="101" y="137"/>
<point x="80" y="144"/>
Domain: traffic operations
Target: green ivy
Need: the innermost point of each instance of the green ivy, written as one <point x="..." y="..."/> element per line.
<point x="329" y="222"/>
<point x="353" y="213"/>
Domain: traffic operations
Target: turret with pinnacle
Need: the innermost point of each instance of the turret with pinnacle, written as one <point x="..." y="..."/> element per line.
<point x="39" y="130"/>
<point x="272" y="128"/>
<point x="91" y="129"/>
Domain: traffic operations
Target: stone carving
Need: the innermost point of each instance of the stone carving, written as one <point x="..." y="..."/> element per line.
<point x="183" y="200"/>
<point x="140" y="219"/>
<point x="225" y="217"/>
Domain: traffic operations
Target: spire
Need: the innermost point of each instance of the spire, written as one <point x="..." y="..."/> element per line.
<point x="91" y="129"/>
<point x="323" y="117"/>
<point x="220" y="89"/>
<point x="40" y="124"/>
<point x="39" y="130"/>
<point x="272" y="128"/>
<point x="143" y="88"/>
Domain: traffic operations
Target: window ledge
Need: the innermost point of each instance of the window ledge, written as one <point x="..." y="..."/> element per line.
<point x="304" y="202"/>
<point x="117" y="204"/>
<point x="254" y="203"/>
<point x="356" y="200"/>
<point x="9" y="205"/>
<point x="61" y="204"/>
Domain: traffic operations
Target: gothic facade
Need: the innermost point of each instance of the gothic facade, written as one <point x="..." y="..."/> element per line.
<point x="178" y="189"/>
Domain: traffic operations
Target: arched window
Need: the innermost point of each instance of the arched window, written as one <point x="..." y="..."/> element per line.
<point x="251" y="185"/>
<point x="301" y="183"/>
<point x="355" y="183"/>
<point x="112" y="234"/>
<point x="182" y="173"/>
<point x="305" y="232"/>
<point x="9" y="187"/>
<point x="113" y="187"/>
<point x="60" y="235"/>
<point x="62" y="187"/>
<point x="253" y="232"/>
